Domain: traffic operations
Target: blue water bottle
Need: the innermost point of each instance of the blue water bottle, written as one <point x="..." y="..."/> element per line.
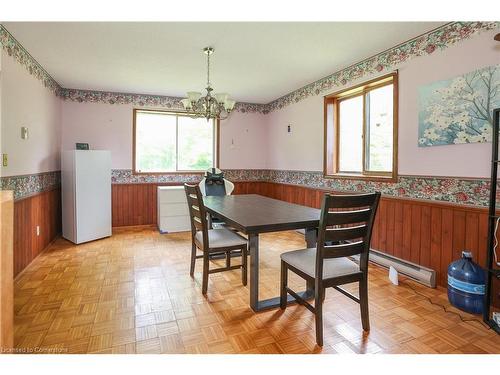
<point x="466" y="284"/>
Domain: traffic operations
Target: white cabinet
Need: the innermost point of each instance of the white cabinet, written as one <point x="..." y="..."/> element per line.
<point x="86" y="194"/>
<point x="173" y="213"/>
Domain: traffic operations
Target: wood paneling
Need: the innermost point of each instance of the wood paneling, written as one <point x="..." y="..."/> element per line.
<point x="428" y="233"/>
<point x="136" y="204"/>
<point x="43" y="210"/>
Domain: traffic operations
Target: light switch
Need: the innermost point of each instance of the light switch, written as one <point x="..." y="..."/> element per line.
<point x="24" y="132"/>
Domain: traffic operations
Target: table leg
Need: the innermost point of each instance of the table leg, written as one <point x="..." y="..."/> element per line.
<point x="253" y="244"/>
<point x="259" y="305"/>
<point x="311" y="239"/>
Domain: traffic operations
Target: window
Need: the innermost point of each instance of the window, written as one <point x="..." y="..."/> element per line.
<point x="173" y="142"/>
<point x="361" y="131"/>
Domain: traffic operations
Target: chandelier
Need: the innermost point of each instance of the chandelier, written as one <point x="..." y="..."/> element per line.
<point x="218" y="106"/>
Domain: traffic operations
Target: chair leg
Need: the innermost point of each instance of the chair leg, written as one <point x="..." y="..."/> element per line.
<point x="363" y="303"/>
<point x="283" y="285"/>
<point x="244" y="263"/>
<point x="193" y="259"/>
<point x="204" y="284"/>
<point x="228" y="259"/>
<point x="318" y="313"/>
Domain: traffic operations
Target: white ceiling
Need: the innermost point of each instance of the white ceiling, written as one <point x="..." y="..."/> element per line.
<point x="254" y="62"/>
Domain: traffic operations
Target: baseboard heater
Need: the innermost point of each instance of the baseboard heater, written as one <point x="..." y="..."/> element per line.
<point x="423" y="275"/>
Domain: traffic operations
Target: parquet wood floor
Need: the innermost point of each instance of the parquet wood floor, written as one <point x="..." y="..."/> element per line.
<point x="132" y="293"/>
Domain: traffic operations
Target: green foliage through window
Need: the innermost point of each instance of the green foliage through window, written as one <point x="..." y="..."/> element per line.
<point x="169" y="142"/>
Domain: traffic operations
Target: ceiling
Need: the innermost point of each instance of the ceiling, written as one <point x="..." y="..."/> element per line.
<point x="254" y="62"/>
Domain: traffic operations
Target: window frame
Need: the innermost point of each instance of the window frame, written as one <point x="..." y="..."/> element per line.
<point x="216" y="142"/>
<point x="332" y="130"/>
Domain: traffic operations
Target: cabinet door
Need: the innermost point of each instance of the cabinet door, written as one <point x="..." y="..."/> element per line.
<point x="6" y="270"/>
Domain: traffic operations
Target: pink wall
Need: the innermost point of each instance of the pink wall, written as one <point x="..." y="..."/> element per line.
<point x="244" y="141"/>
<point x="248" y="141"/>
<point x="103" y="126"/>
<point x="303" y="148"/>
<point x="109" y="126"/>
<point x="466" y="160"/>
<point x="26" y="102"/>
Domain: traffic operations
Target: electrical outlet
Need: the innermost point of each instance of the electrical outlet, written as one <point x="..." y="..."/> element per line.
<point x="5" y="160"/>
<point x="38" y="230"/>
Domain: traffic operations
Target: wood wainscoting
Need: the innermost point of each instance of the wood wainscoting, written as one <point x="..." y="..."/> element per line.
<point x="43" y="210"/>
<point x="428" y="233"/>
<point x="135" y="204"/>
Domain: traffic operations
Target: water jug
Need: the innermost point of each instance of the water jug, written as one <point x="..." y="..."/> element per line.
<point x="466" y="284"/>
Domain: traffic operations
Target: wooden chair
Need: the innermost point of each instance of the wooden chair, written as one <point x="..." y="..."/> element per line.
<point x="342" y="233"/>
<point x="212" y="240"/>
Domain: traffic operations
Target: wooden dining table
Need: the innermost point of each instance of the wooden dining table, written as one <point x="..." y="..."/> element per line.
<point x="254" y="214"/>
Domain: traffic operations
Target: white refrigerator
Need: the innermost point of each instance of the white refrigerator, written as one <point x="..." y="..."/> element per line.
<point x="86" y="195"/>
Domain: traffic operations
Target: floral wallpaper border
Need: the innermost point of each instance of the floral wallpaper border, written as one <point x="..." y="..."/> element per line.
<point x="30" y="184"/>
<point x="13" y="48"/>
<point x="143" y="100"/>
<point x="426" y="44"/>
<point x="464" y="191"/>
<point x="446" y="189"/>
<point x="126" y="176"/>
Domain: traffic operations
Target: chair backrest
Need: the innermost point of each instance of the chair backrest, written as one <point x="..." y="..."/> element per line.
<point x="197" y="212"/>
<point x="227" y="184"/>
<point x="345" y="227"/>
<point x="214" y="183"/>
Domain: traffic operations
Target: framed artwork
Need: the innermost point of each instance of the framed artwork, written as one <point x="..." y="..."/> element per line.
<point x="459" y="110"/>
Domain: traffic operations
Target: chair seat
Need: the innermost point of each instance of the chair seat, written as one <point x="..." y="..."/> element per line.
<point x="305" y="261"/>
<point x="221" y="238"/>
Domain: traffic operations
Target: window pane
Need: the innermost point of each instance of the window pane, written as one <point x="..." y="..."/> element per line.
<point x="195" y="144"/>
<point x="351" y="135"/>
<point x="155" y="142"/>
<point x="380" y="129"/>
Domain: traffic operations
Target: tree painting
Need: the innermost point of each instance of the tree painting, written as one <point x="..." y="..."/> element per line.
<point x="459" y="110"/>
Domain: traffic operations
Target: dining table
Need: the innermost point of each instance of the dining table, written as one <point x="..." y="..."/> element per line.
<point x="252" y="215"/>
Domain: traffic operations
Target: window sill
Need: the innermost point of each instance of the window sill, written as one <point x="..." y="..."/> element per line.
<point x="362" y="177"/>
